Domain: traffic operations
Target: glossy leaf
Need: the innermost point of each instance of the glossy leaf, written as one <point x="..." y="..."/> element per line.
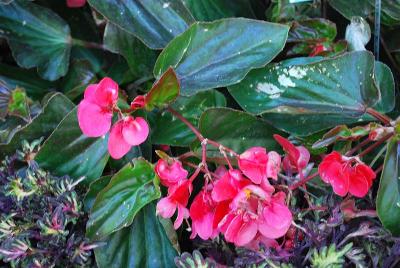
<point x="352" y="8"/>
<point x="163" y="92"/>
<point x="385" y="82"/>
<point x="80" y="75"/>
<point x="37" y="37"/>
<point x="312" y="29"/>
<point x="140" y="58"/>
<point x="142" y="244"/>
<point x="117" y="205"/>
<point x="155" y="22"/>
<point x="209" y="10"/>
<point x="167" y="129"/>
<point x="220" y="53"/>
<point x="388" y="198"/>
<point x="237" y="130"/>
<point x="69" y="152"/>
<point x="318" y="94"/>
<point x="54" y="110"/>
<point x="94" y="189"/>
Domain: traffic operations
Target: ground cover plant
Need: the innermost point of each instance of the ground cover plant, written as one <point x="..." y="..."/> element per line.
<point x="199" y="133"/>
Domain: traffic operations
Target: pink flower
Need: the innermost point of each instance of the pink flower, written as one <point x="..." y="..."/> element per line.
<point x="346" y="174"/>
<point x="254" y="211"/>
<point x="202" y="213"/>
<point x="126" y="133"/>
<point x="76" y="3"/>
<point x="296" y="158"/>
<point x="227" y="187"/>
<point x="95" y="111"/>
<point x="177" y="199"/>
<point x="257" y="165"/>
<point x="170" y="173"/>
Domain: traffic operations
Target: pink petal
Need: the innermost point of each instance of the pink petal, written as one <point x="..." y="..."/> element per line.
<point x="183" y="213"/>
<point x="358" y="184"/>
<point x="276" y="221"/>
<point x="367" y="171"/>
<point x="170" y="174"/>
<point x="304" y="157"/>
<point x="246" y="233"/>
<point x="76" y="3"/>
<point x="165" y="208"/>
<point x="93" y="121"/>
<point x="106" y="92"/>
<point x="233" y="228"/>
<point x="204" y="227"/>
<point x="273" y="165"/>
<point x="289" y="148"/>
<point x="135" y="131"/>
<point x="90" y="93"/>
<point x="117" y="146"/>
<point x="253" y="164"/>
<point x="223" y="189"/>
<point x="339" y="179"/>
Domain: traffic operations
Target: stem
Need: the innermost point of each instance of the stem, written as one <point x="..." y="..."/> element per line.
<point x="376" y="144"/>
<point x="303" y="181"/>
<point x="87" y="44"/>
<point x="358" y="147"/>
<point x="381" y="117"/>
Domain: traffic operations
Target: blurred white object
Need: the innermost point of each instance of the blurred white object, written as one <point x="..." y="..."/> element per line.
<point x="358" y="34"/>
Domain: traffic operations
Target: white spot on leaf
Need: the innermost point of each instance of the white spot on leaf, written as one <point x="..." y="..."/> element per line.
<point x="271" y="90"/>
<point x="285" y="81"/>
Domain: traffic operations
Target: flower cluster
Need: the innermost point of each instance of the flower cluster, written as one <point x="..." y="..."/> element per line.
<point x="346" y="174"/>
<point x="95" y="114"/>
<point x="239" y="203"/>
<point x="41" y="216"/>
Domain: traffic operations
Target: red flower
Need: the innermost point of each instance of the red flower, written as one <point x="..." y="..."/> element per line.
<point x="202" y="213"/>
<point x="170" y="173"/>
<point x="346" y="174"/>
<point x="76" y="3"/>
<point x="317" y="49"/>
<point x="296" y="158"/>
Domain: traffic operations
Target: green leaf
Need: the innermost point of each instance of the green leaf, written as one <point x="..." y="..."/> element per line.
<point x="166" y="129"/>
<point x="237" y="130"/>
<point x="79" y="76"/>
<point x="94" y="189"/>
<point x="209" y="10"/>
<point x="385" y="81"/>
<point x="117" y="205"/>
<point x="37" y="38"/>
<point x="163" y="92"/>
<point x="69" y="152"/>
<point x="54" y="110"/>
<point x="388" y="197"/>
<point x="34" y="86"/>
<point x="220" y="53"/>
<point x="140" y="58"/>
<point x="155" y="22"/>
<point x="311" y="29"/>
<point x="321" y="94"/>
<point x="143" y="244"/>
<point x="352" y="8"/>
<point x="18" y="103"/>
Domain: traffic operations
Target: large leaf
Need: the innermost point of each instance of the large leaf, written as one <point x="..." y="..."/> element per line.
<point x="163" y="92"/>
<point x="143" y="244"/>
<point x="69" y="152"/>
<point x="209" y="10"/>
<point x="155" y="22"/>
<point x="166" y="129"/>
<point x="319" y="94"/>
<point x="352" y="8"/>
<point x="140" y="58"/>
<point x="220" y="53"/>
<point x="94" y="189"/>
<point x="388" y="198"/>
<point x="37" y="37"/>
<point x="237" y="130"/>
<point x="117" y="205"/>
<point x="79" y="76"/>
<point x="54" y="110"/>
<point x="26" y="79"/>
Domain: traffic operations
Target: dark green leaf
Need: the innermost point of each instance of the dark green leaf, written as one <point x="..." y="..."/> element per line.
<point x="140" y="58"/>
<point x="319" y="94"/>
<point x="167" y="129"/>
<point x="79" y="76"/>
<point x="209" y="10"/>
<point x="69" y="152"/>
<point x="220" y="53"/>
<point x="94" y="189"/>
<point x="155" y="22"/>
<point x="143" y="244"/>
<point x="54" y="110"/>
<point x="388" y="198"/>
<point x="352" y="8"/>
<point x="385" y="82"/>
<point x="163" y="92"/>
<point x="37" y="37"/>
<point x="127" y="193"/>
<point x="237" y="130"/>
<point x="26" y="79"/>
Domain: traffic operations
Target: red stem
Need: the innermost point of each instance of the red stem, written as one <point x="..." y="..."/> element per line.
<point x="381" y="117"/>
<point x="376" y="144"/>
<point x="358" y="147"/>
<point x="303" y="181"/>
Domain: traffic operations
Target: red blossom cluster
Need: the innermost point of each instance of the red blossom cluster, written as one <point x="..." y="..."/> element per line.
<point x="95" y="113"/>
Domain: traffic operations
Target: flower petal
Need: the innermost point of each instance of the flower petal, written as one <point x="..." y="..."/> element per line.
<point x="273" y="165"/>
<point x="246" y="233"/>
<point x="253" y="164"/>
<point x="233" y="228"/>
<point x="165" y="208"/>
<point x="204" y="226"/>
<point x="93" y="121"/>
<point x="90" y="93"/>
<point x="117" y="146"/>
<point x="359" y="184"/>
<point x="183" y="213"/>
<point x="106" y="92"/>
<point x="135" y="131"/>
<point x="276" y="220"/>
